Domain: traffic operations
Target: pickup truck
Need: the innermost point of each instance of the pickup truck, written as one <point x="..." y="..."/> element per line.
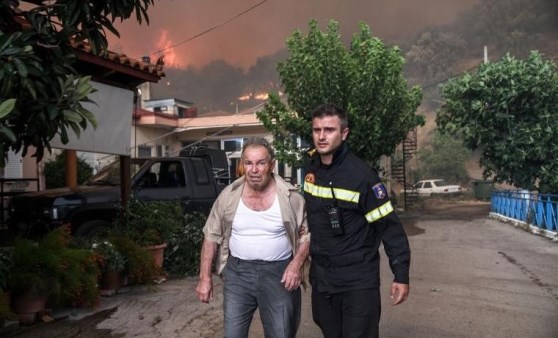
<point x="93" y="207"/>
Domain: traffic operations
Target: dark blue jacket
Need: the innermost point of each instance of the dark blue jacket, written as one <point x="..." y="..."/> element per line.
<point x="351" y="261"/>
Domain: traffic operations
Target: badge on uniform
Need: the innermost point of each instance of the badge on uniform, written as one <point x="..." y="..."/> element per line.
<point x="310" y="178"/>
<point x="379" y="191"/>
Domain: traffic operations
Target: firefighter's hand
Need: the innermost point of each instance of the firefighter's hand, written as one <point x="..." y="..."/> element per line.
<point x="399" y="293"/>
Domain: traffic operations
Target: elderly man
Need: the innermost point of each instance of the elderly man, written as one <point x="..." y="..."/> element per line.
<point x="258" y="225"/>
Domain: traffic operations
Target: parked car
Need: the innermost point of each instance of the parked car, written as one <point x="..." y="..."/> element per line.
<point x="435" y="187"/>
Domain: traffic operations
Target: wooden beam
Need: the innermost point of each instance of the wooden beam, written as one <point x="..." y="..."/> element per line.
<point x="71" y="168"/>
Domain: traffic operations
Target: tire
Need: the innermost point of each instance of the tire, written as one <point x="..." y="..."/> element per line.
<point x="93" y="228"/>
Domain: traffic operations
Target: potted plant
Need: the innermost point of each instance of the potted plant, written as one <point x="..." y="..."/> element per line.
<point x="50" y="270"/>
<point x="152" y="224"/>
<point x="112" y="264"/>
<point x="139" y="265"/>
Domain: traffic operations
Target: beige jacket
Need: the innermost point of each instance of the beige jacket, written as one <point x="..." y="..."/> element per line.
<point x="219" y="223"/>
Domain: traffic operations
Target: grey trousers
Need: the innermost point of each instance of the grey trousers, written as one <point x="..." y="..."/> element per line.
<point x="249" y="285"/>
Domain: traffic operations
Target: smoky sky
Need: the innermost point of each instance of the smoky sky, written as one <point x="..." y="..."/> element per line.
<point x="264" y="30"/>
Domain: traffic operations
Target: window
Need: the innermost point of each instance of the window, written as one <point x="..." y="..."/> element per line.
<point x="162" y="150"/>
<point x="200" y="171"/>
<point x="181" y="112"/>
<point x="232" y="144"/>
<point x="144" y="151"/>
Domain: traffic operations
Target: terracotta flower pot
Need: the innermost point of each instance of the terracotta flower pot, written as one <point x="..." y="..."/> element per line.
<point x="157" y="253"/>
<point x="27" y="305"/>
<point x="112" y="280"/>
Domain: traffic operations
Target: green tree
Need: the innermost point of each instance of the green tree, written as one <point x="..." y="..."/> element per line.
<point x="508" y="110"/>
<point x="55" y="171"/>
<point x="366" y="79"/>
<point x="444" y="158"/>
<point x="36" y="59"/>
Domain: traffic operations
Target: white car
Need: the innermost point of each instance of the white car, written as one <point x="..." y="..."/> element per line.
<point x="437" y="186"/>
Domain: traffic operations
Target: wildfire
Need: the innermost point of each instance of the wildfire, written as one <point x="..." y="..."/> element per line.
<point x="245" y="97"/>
<point x="252" y="96"/>
<point x="165" y="43"/>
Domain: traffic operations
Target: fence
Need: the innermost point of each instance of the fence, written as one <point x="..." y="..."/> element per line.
<point x="535" y="210"/>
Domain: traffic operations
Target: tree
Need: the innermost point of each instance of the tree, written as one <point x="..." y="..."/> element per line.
<point x="36" y="59"/>
<point x="55" y="171"/>
<point x="434" y="55"/>
<point x="366" y="80"/>
<point x="508" y="110"/>
<point x="445" y="158"/>
<point x="512" y="25"/>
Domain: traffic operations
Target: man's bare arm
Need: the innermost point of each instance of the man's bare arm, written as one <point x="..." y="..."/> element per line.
<point x="204" y="290"/>
<point x="292" y="276"/>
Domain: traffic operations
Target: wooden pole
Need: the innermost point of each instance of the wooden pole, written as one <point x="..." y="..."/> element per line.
<point x="71" y="168"/>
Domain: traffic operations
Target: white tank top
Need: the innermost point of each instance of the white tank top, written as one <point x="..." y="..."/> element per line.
<point x="259" y="235"/>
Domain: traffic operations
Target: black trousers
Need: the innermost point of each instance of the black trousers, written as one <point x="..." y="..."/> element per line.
<point x="351" y="314"/>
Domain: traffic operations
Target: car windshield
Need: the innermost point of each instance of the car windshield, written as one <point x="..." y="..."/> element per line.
<point x="441" y="183"/>
<point x="110" y="174"/>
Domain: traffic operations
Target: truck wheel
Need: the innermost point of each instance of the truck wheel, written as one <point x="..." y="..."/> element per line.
<point x="92" y="228"/>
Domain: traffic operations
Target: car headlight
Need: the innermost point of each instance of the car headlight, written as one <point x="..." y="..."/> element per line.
<point x="56" y="213"/>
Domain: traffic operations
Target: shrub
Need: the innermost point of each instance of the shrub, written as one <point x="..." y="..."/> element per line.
<point x="140" y="267"/>
<point x="151" y="223"/>
<point x="66" y="276"/>
<point x="182" y="256"/>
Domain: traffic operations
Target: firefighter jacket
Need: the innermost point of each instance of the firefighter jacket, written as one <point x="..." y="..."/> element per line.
<point x="351" y="261"/>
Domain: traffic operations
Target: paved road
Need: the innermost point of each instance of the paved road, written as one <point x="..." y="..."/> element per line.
<point x="471" y="277"/>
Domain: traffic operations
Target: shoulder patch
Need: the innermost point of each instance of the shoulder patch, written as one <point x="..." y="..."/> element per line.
<point x="310" y="178"/>
<point x="379" y="191"/>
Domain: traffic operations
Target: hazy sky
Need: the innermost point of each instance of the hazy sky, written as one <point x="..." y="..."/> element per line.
<point x="264" y="30"/>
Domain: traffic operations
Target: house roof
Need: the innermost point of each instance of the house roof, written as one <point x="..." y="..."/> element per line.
<point x="172" y="99"/>
<point x="115" y="68"/>
<point x="112" y="68"/>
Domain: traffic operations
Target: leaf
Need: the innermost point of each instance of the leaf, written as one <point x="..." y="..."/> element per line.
<point x="72" y="116"/>
<point x="6" y="107"/>
<point x="21" y="68"/>
<point x="8" y="133"/>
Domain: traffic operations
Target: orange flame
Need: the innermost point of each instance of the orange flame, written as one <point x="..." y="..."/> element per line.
<point x="252" y="96"/>
<point x="165" y="43"/>
<point x="245" y="97"/>
<point x="261" y="97"/>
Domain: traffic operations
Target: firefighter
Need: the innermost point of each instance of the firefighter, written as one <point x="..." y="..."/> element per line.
<point x="349" y="215"/>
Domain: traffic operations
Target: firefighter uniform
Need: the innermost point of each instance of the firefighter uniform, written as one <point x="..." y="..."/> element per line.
<point x="347" y="259"/>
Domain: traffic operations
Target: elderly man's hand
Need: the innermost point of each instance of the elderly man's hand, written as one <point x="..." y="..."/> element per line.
<point x="292" y="276"/>
<point x="204" y="290"/>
